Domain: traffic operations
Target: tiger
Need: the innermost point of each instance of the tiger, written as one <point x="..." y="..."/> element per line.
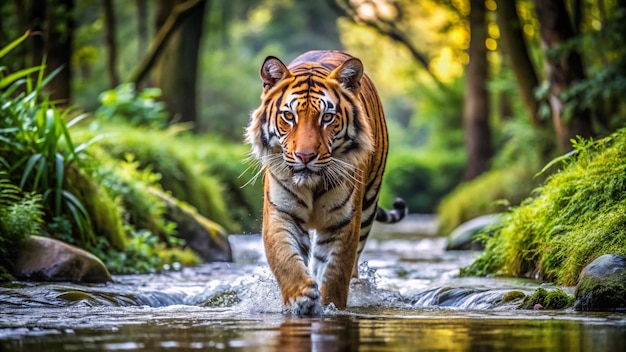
<point x="321" y="140"/>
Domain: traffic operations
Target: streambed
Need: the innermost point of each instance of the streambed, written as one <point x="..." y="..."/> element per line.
<point x="408" y="298"/>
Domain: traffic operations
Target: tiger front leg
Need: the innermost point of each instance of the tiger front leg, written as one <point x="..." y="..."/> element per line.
<point x="333" y="259"/>
<point x="287" y="249"/>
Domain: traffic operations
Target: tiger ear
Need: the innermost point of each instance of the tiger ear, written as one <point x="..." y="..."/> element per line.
<point x="273" y="71"/>
<point x="349" y="74"/>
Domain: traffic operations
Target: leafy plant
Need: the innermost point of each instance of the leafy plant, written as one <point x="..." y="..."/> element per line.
<point x="136" y="108"/>
<point x="36" y="145"/>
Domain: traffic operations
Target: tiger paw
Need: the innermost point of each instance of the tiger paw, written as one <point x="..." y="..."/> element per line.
<point x="308" y="304"/>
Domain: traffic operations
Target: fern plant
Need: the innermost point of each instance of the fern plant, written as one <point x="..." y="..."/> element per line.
<point x="35" y="143"/>
<point x="20" y="215"/>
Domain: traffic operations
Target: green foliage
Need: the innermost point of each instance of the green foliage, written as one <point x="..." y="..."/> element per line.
<point x="139" y="256"/>
<point x="576" y="216"/>
<point x="21" y="215"/>
<point x="605" y="86"/>
<point x="125" y="181"/>
<point x="421" y="179"/>
<point x="125" y="104"/>
<point x="197" y="170"/>
<point x="36" y="145"/>
<point x="437" y="117"/>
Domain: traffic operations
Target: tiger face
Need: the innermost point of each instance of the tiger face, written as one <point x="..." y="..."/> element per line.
<point x="315" y="132"/>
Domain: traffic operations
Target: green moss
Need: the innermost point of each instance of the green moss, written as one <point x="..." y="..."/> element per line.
<point x="513" y="296"/>
<point x="555" y="299"/>
<point x="538" y="297"/>
<point x="595" y="294"/>
<point x="576" y="216"/>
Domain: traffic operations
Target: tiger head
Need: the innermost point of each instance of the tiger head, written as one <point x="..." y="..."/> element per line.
<point x="311" y="126"/>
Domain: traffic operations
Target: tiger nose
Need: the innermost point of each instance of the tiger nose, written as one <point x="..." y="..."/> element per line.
<point x="305" y="157"/>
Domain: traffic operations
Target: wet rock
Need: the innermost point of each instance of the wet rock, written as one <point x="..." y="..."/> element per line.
<point x="602" y="285"/>
<point x="47" y="259"/>
<point x="202" y="235"/>
<point x="464" y="236"/>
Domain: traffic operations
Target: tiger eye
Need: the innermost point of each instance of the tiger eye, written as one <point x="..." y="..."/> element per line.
<point x="328" y="118"/>
<point x="288" y="116"/>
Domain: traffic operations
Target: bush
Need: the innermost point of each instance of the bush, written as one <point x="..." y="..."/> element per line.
<point x="576" y="216"/>
<point x="36" y="147"/>
<point x="420" y="179"/>
<point x="21" y="215"/>
<point x="124" y="104"/>
<point x="202" y="170"/>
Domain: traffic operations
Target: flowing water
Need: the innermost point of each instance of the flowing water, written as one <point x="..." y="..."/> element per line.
<point x="409" y="297"/>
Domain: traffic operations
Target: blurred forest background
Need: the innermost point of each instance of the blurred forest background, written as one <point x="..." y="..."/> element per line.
<point x="479" y="95"/>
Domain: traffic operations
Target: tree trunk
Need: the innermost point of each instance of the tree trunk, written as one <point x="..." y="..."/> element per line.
<point x="142" y="28"/>
<point x="177" y="68"/>
<point x="512" y="39"/>
<point x="476" y="109"/>
<point x="562" y="70"/>
<point x="109" y="22"/>
<point x="52" y="23"/>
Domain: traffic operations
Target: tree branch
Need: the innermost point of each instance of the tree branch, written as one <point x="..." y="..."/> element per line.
<point x="173" y="21"/>
<point x="386" y="28"/>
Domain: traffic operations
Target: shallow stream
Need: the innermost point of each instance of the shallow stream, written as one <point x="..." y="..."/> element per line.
<point x="409" y="297"/>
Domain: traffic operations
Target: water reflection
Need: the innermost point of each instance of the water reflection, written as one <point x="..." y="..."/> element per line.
<point x="409" y="298"/>
<point x="365" y="329"/>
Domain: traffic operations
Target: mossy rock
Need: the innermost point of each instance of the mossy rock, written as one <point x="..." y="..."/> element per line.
<point x="602" y="285"/>
<point x="555" y="299"/>
<point x="202" y="235"/>
<point x="513" y="296"/>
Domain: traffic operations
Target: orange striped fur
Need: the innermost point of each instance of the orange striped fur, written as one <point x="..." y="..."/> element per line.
<point x="321" y="139"/>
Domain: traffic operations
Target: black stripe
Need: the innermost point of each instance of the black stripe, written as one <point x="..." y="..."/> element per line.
<point x="264" y="139"/>
<point x="291" y="193"/>
<point x="342" y="204"/>
<point x="370" y="219"/>
<point x="295" y="217"/>
<point x="341" y="224"/>
<point x="326" y="241"/>
<point x="319" y="258"/>
<point x="363" y="236"/>
<point x="367" y="203"/>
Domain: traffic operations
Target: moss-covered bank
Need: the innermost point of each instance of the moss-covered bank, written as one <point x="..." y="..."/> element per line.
<point x="576" y="216"/>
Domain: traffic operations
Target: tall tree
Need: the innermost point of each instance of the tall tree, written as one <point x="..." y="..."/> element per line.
<point x="109" y="22"/>
<point x="53" y="25"/>
<point x="177" y="67"/>
<point x="142" y="27"/>
<point x="563" y="69"/>
<point x="512" y="39"/>
<point x="476" y="106"/>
